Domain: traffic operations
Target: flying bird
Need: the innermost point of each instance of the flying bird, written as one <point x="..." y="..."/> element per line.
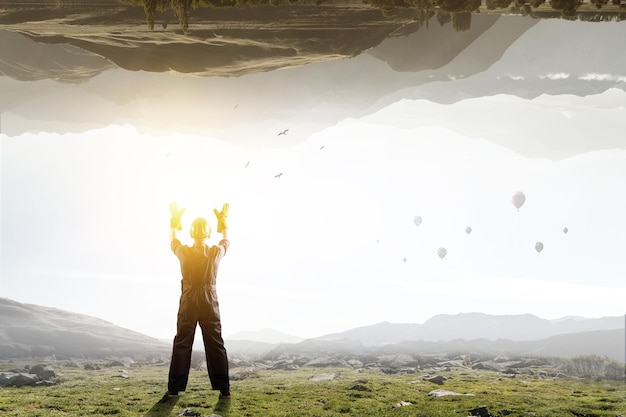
<point x="278" y="175"/>
<point x="322" y="147"/>
<point x="284" y="132"/>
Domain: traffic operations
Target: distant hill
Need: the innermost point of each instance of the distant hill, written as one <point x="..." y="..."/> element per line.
<point x="609" y="343"/>
<point x="470" y="326"/>
<point x="28" y="330"/>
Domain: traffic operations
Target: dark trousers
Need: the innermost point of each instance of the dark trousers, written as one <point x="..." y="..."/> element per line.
<point x="199" y="307"/>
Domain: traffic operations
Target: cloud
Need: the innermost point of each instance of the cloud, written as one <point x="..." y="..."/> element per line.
<point x="555" y="76"/>
<point x="602" y="77"/>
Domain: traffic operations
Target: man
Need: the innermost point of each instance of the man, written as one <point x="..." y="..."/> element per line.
<point x="198" y="302"/>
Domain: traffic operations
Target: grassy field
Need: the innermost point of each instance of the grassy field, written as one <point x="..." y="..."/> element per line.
<point x="137" y="391"/>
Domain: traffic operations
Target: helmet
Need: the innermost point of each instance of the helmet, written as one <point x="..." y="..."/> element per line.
<point x="200" y="229"/>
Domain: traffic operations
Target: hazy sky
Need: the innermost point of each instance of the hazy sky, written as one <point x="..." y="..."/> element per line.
<point x="331" y="244"/>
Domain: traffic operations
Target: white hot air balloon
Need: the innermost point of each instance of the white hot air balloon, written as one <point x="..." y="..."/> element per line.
<point x="565" y="230"/>
<point x="518" y="199"/>
<point x="417" y="220"/>
<point x="442" y="252"/>
<point x="538" y="247"/>
<point x="468" y="230"/>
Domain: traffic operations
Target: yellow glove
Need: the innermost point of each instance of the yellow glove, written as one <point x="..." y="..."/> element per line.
<point x="221" y="218"/>
<point x="176" y="215"/>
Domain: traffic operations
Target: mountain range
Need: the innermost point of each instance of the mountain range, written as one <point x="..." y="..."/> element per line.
<point x="28" y="330"/>
<point x="33" y="330"/>
<point x="468" y="326"/>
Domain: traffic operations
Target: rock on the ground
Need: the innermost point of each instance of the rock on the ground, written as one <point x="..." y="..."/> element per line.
<point x="43" y="371"/>
<point x="323" y="377"/>
<point x="443" y="393"/>
<point x="17" y="379"/>
<point x="437" y="379"/>
<point x="480" y="412"/>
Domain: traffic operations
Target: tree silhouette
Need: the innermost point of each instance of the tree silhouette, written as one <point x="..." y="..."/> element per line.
<point x="456" y="6"/>
<point x="182" y="8"/>
<point x="461" y="21"/>
<point x="567" y="7"/>
<point x="443" y="17"/>
<point x="498" y="4"/>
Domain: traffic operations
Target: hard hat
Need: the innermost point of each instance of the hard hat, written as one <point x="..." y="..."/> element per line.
<point x="200" y="229"/>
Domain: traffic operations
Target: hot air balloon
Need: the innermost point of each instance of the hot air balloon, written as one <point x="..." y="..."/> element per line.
<point x="442" y="252"/>
<point x="518" y="199"/>
<point x="468" y="230"/>
<point x="417" y="220"/>
<point x="538" y="247"/>
<point x="565" y="230"/>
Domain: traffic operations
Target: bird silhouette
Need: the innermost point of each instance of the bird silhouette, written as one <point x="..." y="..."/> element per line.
<point x="284" y="132"/>
<point x="278" y="175"/>
<point x="322" y="147"/>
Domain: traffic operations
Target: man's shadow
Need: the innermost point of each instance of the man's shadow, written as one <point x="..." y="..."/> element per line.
<point x="222" y="407"/>
<point x="162" y="408"/>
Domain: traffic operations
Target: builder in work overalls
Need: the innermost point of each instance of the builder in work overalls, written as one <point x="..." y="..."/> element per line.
<point x="198" y="303"/>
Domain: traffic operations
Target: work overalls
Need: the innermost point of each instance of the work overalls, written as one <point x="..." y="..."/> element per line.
<point x="199" y="305"/>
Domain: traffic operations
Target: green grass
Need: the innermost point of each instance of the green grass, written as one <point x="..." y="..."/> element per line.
<point x="292" y="393"/>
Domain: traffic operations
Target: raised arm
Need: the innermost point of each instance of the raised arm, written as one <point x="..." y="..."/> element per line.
<point x="222" y="225"/>
<point x="175" y="224"/>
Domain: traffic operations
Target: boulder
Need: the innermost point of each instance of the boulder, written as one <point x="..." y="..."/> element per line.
<point x="17" y="379"/>
<point x="480" y="412"/>
<point x="490" y="366"/>
<point x="435" y="379"/>
<point x="355" y="363"/>
<point x="401" y="371"/>
<point x="327" y="363"/>
<point x="360" y="387"/>
<point x="456" y="363"/>
<point x="45" y="383"/>
<point x="44" y="372"/>
<point x="443" y="393"/>
<point x="323" y="377"/>
<point x="400" y="360"/>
